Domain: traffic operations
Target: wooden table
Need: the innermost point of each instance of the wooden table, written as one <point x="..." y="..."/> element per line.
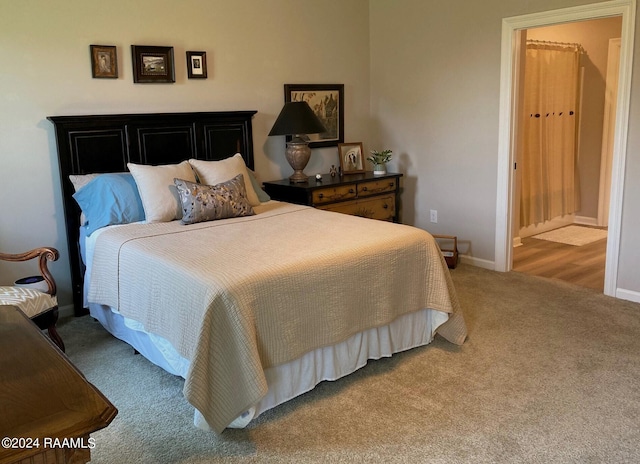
<point x="47" y="407"/>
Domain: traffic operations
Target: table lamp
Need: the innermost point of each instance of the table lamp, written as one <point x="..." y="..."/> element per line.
<point x="297" y="119"/>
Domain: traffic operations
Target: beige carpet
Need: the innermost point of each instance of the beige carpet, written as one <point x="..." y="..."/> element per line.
<point x="573" y="235"/>
<point x="550" y="373"/>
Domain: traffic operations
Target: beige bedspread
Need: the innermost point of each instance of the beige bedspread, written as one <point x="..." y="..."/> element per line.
<point x="239" y="295"/>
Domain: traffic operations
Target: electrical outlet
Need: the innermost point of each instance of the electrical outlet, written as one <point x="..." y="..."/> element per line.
<point x="434" y="216"/>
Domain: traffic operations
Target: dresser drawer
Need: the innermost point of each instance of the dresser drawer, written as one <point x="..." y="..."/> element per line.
<point x="330" y="194"/>
<point x="377" y="186"/>
<point x="381" y="207"/>
<point x="364" y="194"/>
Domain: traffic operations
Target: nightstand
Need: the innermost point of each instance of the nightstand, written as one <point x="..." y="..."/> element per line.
<point x="366" y="194"/>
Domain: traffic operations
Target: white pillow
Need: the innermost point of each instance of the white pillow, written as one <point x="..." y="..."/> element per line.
<point x="158" y="192"/>
<point x="217" y="172"/>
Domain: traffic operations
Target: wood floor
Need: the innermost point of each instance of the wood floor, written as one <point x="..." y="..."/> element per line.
<point x="580" y="265"/>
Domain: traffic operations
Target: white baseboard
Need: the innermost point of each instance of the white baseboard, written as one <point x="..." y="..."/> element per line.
<point x="586" y="221"/>
<point x="628" y="295"/>
<point x="483" y="263"/>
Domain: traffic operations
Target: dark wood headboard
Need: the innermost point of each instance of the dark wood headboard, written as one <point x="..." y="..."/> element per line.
<point x="106" y="143"/>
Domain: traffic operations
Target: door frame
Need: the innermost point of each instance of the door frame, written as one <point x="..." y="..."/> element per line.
<point x="608" y="129"/>
<point x="507" y="125"/>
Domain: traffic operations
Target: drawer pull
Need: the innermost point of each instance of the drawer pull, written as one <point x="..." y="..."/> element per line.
<point x="351" y="191"/>
<point x="321" y="195"/>
<point x="392" y="184"/>
<point x="364" y="189"/>
<point x="385" y="206"/>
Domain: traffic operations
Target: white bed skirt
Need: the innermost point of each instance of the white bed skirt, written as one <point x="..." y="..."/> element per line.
<point x="298" y="376"/>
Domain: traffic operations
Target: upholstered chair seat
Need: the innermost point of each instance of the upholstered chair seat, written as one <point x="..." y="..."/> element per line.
<point x="39" y="306"/>
<point x="29" y="301"/>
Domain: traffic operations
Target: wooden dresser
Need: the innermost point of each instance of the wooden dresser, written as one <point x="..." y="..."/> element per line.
<point x="366" y="195"/>
<point x="47" y="407"/>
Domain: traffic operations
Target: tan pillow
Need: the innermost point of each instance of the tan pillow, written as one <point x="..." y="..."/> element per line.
<point x="216" y="172"/>
<point x="159" y="194"/>
<point x="80" y="180"/>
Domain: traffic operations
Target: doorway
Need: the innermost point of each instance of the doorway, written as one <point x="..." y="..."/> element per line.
<point x="556" y="193"/>
<point x="509" y="110"/>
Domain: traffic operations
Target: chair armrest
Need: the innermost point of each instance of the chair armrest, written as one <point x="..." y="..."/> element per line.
<point x="44" y="254"/>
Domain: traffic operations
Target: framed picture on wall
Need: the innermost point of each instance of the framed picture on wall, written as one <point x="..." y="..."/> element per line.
<point x="104" y="61"/>
<point x="327" y="102"/>
<point x="197" y="65"/>
<point x="351" y="157"/>
<point x="152" y="64"/>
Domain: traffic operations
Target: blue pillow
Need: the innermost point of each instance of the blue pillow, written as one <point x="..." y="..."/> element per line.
<point x="110" y="199"/>
<point x="262" y="195"/>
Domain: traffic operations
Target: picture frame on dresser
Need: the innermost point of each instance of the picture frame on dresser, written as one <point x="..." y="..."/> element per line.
<point x="152" y="64"/>
<point x="351" y="157"/>
<point x="197" y="65"/>
<point x="327" y="102"/>
<point x="104" y="61"/>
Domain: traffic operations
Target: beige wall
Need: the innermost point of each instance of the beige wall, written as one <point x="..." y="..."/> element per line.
<point x="253" y="48"/>
<point x="594" y="37"/>
<point x="435" y="83"/>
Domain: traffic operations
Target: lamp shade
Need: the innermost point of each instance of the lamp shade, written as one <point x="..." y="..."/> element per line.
<point x="297" y="118"/>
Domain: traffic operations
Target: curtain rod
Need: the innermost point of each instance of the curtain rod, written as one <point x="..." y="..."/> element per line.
<point x="562" y="45"/>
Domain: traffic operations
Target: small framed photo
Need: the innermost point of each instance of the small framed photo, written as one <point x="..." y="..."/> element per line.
<point x="327" y="102"/>
<point x="104" y="61"/>
<point x="197" y="65"/>
<point x="152" y="64"/>
<point x="351" y="157"/>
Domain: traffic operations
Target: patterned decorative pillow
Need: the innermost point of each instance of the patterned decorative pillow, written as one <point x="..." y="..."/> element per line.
<point x="210" y="202"/>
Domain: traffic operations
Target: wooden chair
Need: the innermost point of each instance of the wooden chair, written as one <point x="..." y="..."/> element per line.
<point x="40" y="307"/>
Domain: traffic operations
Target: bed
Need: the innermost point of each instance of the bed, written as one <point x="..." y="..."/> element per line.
<point x="253" y="308"/>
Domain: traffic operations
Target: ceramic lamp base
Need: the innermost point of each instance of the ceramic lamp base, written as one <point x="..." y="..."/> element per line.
<point x="298" y="154"/>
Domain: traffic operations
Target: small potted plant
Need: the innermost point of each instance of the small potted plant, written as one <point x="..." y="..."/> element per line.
<point x="379" y="159"/>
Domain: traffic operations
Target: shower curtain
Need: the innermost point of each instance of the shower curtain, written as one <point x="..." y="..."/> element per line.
<point x="550" y="127"/>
